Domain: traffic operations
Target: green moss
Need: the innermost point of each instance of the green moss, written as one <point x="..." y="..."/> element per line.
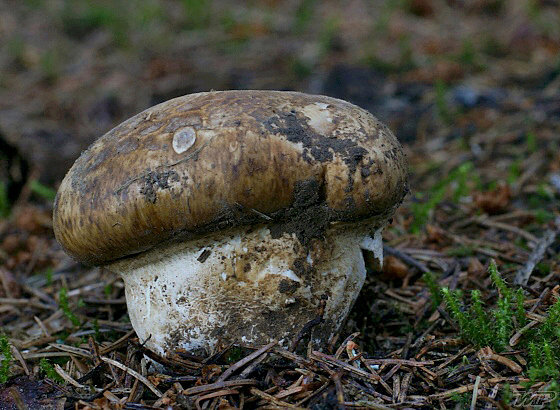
<point x="520" y="308"/>
<point x="484" y="326"/>
<point x="550" y="329"/>
<point x="234" y="354"/>
<point x="498" y="281"/>
<point x="463" y="400"/>
<point x="507" y="394"/>
<point x="502" y="326"/>
<point x="6" y="360"/>
<point x="479" y="315"/>
<point x="48" y="370"/>
<point x="543" y="364"/>
<point x="453" y="298"/>
<point x="479" y="325"/>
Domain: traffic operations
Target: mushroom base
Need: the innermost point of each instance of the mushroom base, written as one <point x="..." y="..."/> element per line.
<point x="244" y="286"/>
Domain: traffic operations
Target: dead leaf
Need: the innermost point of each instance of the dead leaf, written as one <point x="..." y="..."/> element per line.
<point x="394" y="268"/>
<point x="435" y="233"/>
<point x="494" y="201"/>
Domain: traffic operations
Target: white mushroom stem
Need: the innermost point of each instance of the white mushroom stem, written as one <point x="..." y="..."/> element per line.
<point x="244" y="285"/>
<point x="375" y="245"/>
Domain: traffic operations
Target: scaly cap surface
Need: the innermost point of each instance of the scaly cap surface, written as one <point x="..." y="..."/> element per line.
<point x="206" y="161"/>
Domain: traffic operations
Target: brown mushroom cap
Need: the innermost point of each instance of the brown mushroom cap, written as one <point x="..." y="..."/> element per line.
<point x="206" y="161"/>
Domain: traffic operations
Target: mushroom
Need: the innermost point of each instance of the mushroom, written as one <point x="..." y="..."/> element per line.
<point x="234" y="215"/>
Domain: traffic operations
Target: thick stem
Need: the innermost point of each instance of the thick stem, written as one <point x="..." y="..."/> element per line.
<point x="245" y="286"/>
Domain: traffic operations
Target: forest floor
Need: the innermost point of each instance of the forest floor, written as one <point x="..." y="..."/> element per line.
<point x="466" y="310"/>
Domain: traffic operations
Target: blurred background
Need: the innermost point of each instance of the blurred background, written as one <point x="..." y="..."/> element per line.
<point x="434" y="70"/>
<point x="470" y="87"/>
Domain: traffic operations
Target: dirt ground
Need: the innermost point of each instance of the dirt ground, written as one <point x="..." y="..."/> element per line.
<point x="470" y="87"/>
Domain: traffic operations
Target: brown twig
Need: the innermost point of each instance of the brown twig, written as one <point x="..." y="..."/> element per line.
<point x="237" y="365"/>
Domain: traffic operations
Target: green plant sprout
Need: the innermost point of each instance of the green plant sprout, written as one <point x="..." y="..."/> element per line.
<point x="48" y="65"/>
<point x="64" y="305"/>
<point x="434" y="288"/>
<point x="505" y="291"/>
<point x="520" y="308"/>
<point x="96" y="332"/>
<point x="406" y="60"/>
<point x="16" y="49"/>
<point x="461" y="251"/>
<point x="467" y="55"/>
<point x="4" y="203"/>
<point x="304" y="15"/>
<point x="531" y="140"/>
<point x="42" y="190"/>
<point x="456" y="182"/>
<point x="198" y="13"/>
<point x="327" y="35"/>
<point x="441" y="105"/>
<point x="49" y="272"/>
<point x="79" y="18"/>
<point x="514" y="172"/>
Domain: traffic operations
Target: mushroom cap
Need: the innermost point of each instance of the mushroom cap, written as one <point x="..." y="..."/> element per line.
<point x="203" y="162"/>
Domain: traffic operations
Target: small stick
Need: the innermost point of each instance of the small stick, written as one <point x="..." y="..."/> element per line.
<point x="214" y="395"/>
<point x="475" y="393"/>
<point x="236" y="366"/>
<point x="405" y="257"/>
<point x="337" y="379"/>
<point x="331" y="361"/>
<point x="67" y="377"/>
<point x="405" y="384"/>
<point x="251" y="368"/>
<point x="310" y="325"/>
<point x="523" y="275"/>
<point x="17" y="354"/>
<point x="133" y="373"/>
<point x="271" y="399"/>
